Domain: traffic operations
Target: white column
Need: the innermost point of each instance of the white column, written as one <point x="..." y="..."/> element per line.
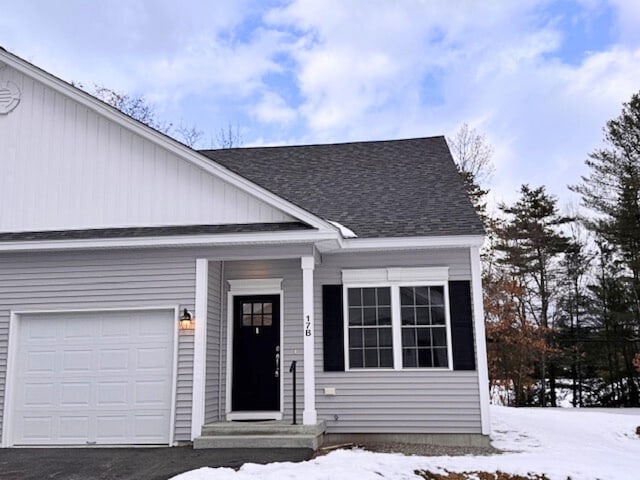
<point x="309" y="416"/>
<point x="481" y="343"/>
<point x="199" y="347"/>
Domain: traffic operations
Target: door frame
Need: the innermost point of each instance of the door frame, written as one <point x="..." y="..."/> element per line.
<point x="240" y="288"/>
<point x="15" y="320"/>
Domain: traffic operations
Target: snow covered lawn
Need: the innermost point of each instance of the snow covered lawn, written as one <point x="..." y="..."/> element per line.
<point x="560" y="443"/>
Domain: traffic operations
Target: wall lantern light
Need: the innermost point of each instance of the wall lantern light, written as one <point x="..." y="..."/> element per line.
<point x="185" y="320"/>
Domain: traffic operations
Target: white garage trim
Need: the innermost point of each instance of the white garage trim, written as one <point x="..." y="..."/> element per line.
<point x="13" y="337"/>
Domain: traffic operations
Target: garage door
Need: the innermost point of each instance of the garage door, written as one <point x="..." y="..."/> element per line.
<point x="93" y="378"/>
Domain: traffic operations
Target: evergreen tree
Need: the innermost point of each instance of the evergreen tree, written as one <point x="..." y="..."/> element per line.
<point x="612" y="191"/>
<point x="531" y="244"/>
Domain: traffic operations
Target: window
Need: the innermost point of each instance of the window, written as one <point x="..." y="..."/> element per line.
<point x="369" y="325"/>
<point x="424" y="328"/>
<point x="257" y="314"/>
<point x="397" y="318"/>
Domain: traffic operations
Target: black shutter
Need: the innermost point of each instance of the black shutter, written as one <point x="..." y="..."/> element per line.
<point x="332" y="328"/>
<point x="462" y="325"/>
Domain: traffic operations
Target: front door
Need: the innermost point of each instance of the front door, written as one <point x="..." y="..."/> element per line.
<point x="256" y="353"/>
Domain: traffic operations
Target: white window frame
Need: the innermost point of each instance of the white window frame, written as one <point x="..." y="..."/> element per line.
<point x="394" y="278"/>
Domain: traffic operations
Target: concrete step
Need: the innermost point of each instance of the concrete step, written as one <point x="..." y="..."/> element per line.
<point x="264" y="428"/>
<point x="270" y="441"/>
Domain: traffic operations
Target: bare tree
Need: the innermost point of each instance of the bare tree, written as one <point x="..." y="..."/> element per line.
<point x="229" y="137"/>
<point x="138" y="108"/>
<point x="189" y="135"/>
<point x="472" y="153"/>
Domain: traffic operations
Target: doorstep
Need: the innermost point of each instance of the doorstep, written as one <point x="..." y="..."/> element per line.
<point x="272" y="434"/>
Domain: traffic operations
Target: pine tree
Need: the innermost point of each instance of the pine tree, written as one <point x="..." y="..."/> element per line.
<point x="531" y="243"/>
<point x="612" y="191"/>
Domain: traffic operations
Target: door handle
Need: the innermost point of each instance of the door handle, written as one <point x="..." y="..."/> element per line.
<point x="277" y="365"/>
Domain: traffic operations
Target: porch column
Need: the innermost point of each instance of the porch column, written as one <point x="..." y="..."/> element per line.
<point x="199" y="347"/>
<point x="309" y="416"/>
<point x="481" y="343"/>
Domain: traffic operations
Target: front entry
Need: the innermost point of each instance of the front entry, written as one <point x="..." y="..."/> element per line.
<point x="256" y="353"/>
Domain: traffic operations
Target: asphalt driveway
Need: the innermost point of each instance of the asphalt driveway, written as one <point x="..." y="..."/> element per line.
<point x="128" y="463"/>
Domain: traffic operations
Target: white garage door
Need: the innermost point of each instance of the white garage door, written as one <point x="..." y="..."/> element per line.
<point x="93" y="378"/>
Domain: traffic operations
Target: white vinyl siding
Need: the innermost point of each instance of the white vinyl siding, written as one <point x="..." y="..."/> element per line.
<point x="65" y="167"/>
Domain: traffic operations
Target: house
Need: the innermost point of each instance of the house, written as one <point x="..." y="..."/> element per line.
<point x="149" y="291"/>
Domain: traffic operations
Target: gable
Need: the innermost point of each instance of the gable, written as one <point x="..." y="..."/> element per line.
<point x="66" y="166"/>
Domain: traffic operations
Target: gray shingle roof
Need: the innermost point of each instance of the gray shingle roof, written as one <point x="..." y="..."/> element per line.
<point x="393" y="188"/>
<point x="152" y="231"/>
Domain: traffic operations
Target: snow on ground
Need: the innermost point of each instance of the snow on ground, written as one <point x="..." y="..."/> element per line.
<point x="577" y="443"/>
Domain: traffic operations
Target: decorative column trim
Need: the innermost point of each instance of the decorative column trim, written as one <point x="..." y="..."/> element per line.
<point x="309" y="416"/>
<point x="481" y="343"/>
<point x="199" y="348"/>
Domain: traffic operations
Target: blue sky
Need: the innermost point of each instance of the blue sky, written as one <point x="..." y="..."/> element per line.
<point x="538" y="78"/>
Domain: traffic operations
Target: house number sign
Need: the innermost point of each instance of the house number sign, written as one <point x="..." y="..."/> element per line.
<point x="307" y="327"/>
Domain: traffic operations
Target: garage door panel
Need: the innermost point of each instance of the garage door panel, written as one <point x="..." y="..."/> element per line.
<point x="37" y="428"/>
<point x="74" y="428"/>
<point x="76" y="360"/>
<point x="112" y="394"/>
<point x="112" y="359"/>
<point x="75" y="329"/>
<point x="150" y="358"/>
<point x="150" y="393"/>
<point x="148" y="426"/>
<point x="112" y="428"/>
<point x="75" y="394"/>
<point x="148" y="329"/>
<point x="38" y="331"/>
<point x="40" y="361"/>
<point x="94" y="378"/>
<point x="39" y="394"/>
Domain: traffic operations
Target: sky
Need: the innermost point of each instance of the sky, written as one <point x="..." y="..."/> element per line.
<point x="538" y="78"/>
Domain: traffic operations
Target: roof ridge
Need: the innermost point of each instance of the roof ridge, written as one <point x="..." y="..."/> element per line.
<point x="359" y="142"/>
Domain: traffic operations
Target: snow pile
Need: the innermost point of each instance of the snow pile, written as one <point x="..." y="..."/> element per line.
<point x="344" y="231"/>
<point x="561" y="443"/>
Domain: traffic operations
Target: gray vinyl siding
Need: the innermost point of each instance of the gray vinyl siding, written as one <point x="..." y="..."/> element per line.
<point x="213" y="378"/>
<point x="126" y="279"/>
<point x="291" y="273"/>
<point x="395" y="401"/>
<point x="392" y="402"/>
<point x="96" y="280"/>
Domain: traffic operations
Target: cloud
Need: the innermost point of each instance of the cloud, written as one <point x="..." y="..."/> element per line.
<point x="272" y="109"/>
<point x="539" y="77"/>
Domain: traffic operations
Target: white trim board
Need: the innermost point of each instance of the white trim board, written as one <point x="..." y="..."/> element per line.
<point x="242" y="287"/>
<point x="480" y="337"/>
<point x="200" y="348"/>
<point x="386" y="243"/>
<point x="169" y="241"/>
<point x="394" y="279"/>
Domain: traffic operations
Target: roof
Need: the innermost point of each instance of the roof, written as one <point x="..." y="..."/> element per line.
<point x="166" y="231"/>
<point x="396" y="188"/>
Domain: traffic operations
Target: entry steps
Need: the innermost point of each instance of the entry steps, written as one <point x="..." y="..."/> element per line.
<point x="260" y="434"/>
